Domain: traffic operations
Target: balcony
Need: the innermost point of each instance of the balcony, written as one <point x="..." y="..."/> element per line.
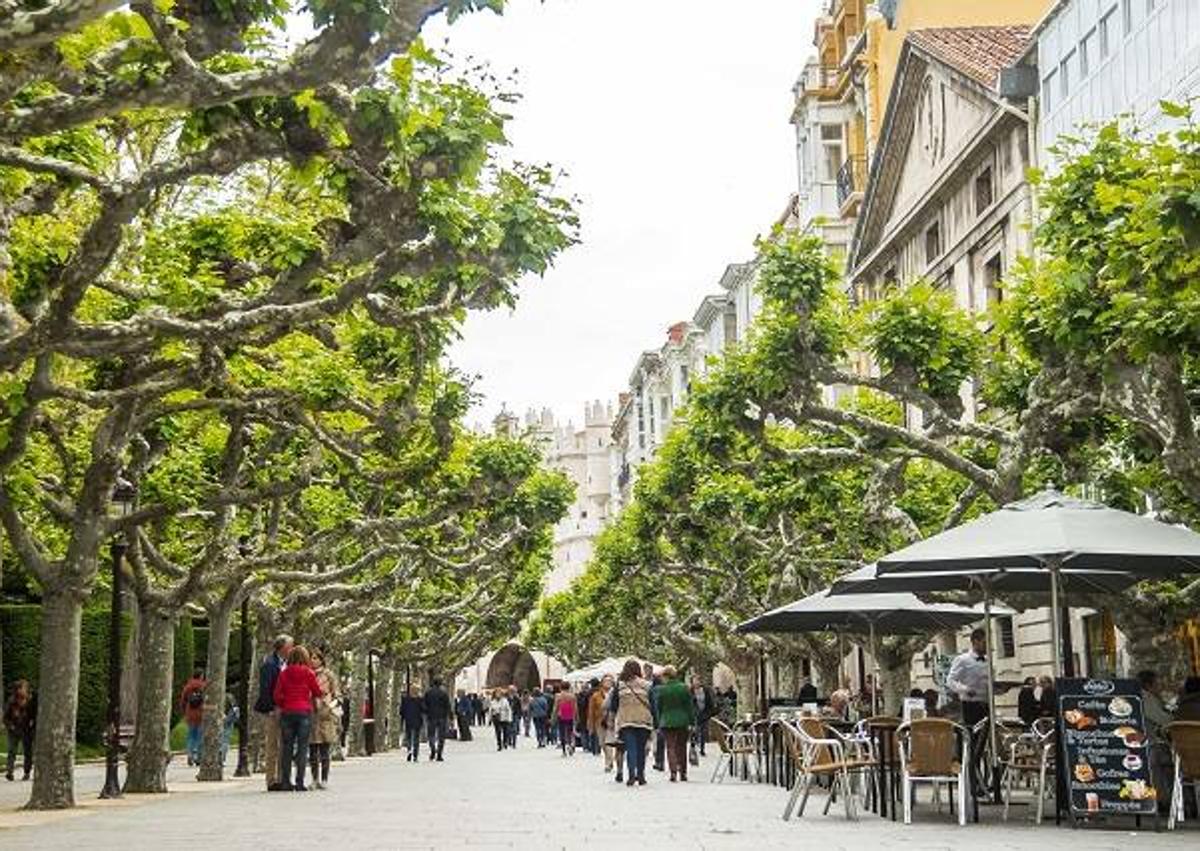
<point x="851" y="182"/>
<point x="820" y="80"/>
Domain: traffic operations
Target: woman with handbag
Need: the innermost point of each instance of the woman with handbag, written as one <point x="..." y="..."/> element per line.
<point x="634" y="719"/>
<point x="326" y="723"/>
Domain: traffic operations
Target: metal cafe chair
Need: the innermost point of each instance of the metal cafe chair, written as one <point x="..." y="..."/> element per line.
<point x="1030" y="755"/>
<point x="1184" y="737"/>
<point x="817" y="755"/>
<point x="733" y="744"/>
<point x="937" y="751"/>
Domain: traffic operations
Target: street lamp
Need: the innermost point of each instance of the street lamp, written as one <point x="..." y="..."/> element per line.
<point x="124" y="496"/>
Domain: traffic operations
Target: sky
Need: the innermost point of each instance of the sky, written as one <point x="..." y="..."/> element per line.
<point x="670" y="119"/>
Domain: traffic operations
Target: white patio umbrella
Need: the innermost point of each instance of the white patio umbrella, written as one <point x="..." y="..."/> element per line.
<point x="890" y="614"/>
<point x="1059" y="535"/>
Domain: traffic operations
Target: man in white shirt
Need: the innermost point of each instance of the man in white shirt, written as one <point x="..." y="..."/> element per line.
<point x="968" y="679"/>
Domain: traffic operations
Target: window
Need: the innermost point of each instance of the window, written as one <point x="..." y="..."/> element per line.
<point x="1064" y="75"/>
<point x="983" y="191"/>
<point x="1127" y="15"/>
<point x="641" y="420"/>
<point x="1048" y="91"/>
<point x="992" y="273"/>
<point x="683" y="378"/>
<point x="1007" y="645"/>
<point x="933" y="243"/>
<point x="1086" y="47"/>
<point x="1103" y="31"/>
<point x="831" y="151"/>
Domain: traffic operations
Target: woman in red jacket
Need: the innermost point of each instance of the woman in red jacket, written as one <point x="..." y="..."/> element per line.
<point x="296" y="689"/>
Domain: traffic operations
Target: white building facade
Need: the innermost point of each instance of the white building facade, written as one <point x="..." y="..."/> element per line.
<point x="1103" y="59"/>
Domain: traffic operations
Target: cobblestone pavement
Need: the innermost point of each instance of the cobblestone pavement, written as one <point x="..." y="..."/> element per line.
<point x="524" y="799"/>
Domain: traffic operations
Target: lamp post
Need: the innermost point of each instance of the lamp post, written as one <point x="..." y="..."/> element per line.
<point x="243" y="768"/>
<point x="123" y="496"/>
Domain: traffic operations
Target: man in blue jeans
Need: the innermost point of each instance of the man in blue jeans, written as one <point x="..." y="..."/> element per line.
<point x="412" y="713"/>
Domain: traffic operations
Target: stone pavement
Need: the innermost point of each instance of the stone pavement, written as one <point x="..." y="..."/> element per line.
<point x="527" y="799"/>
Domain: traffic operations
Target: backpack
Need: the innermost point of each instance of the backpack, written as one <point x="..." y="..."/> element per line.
<point x="195" y="699"/>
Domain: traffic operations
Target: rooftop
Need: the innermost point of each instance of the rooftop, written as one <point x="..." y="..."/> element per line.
<point x="978" y="52"/>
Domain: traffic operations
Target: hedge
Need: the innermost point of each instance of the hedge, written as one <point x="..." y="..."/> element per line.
<point x="20" y="633"/>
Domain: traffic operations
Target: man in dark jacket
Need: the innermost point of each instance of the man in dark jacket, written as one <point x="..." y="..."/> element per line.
<point x="268" y="673"/>
<point x="412" y="713"/>
<point x="463" y="710"/>
<point x="581" y="708"/>
<point x="705" y="701"/>
<point x="437" y="715"/>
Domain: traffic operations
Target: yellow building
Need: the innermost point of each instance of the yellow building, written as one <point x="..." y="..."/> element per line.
<point x="841" y="96"/>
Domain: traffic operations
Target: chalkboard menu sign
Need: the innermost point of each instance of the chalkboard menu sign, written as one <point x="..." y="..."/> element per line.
<point x="1105" y="749"/>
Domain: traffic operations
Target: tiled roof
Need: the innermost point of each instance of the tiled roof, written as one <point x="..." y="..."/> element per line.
<point x="978" y="52"/>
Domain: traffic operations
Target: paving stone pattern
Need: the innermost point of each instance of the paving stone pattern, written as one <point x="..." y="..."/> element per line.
<point x="527" y="799"/>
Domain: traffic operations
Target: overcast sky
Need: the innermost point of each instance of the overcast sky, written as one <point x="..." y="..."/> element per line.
<point x="671" y="118"/>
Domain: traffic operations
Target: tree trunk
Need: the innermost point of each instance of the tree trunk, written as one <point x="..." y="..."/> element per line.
<point x="58" y="697"/>
<point x="151" y="749"/>
<point x="220" y="618"/>
<point x="895" y="682"/>
<point x="355" y="741"/>
<point x="394" y="720"/>
<point x="383" y="709"/>
<point x="1152" y="642"/>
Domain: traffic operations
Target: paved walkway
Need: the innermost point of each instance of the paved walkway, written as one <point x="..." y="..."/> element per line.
<point x="521" y="799"/>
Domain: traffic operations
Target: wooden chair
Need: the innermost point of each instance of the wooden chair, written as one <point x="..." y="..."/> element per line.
<point x="868" y="729"/>
<point x="934" y="750"/>
<point x="1030" y="755"/>
<point x="1184" y="737"/>
<point x="818" y="754"/>
<point x="733" y="744"/>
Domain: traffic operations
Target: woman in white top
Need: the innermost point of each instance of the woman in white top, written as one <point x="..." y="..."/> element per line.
<point x="501" y="712"/>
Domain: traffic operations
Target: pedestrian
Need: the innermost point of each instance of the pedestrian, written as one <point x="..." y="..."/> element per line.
<point x="296" y="692"/>
<point x="705" y="703"/>
<point x="191" y="703"/>
<point x="514" y="702"/>
<point x="968" y="680"/>
<point x="1047" y="698"/>
<point x="552" y="714"/>
<point x="676" y="714"/>
<point x="1027" y="701"/>
<point x="480" y="709"/>
<point x="233" y="714"/>
<point x="634" y="719"/>
<point x="500" y="708"/>
<point x="526" y="719"/>
<point x="268" y="674"/>
<point x="610" y="742"/>
<point x="660" y="741"/>
<point x="1187" y="707"/>
<point x="412" y="713"/>
<point x="463" y="710"/>
<point x="808" y="692"/>
<point x="595" y="716"/>
<point x="564" y="717"/>
<point x="20" y="722"/>
<point x="581" y="715"/>
<point x="326" y="722"/>
<point x="437" y="715"/>
<point x="539" y="711"/>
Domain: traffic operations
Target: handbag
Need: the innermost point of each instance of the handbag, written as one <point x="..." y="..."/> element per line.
<point x="693" y="754"/>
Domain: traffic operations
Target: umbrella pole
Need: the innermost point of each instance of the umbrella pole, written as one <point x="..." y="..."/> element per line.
<point x="875" y="668"/>
<point x="1055" y="619"/>
<point x="991" y="688"/>
<point x="841" y="659"/>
